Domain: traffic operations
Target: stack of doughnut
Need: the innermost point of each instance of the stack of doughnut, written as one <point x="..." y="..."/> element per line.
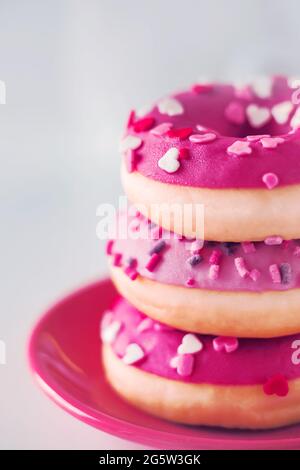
<point x="206" y="328"/>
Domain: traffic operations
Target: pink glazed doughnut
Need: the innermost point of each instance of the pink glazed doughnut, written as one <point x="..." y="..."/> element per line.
<point x="249" y="289"/>
<point x="198" y="379"/>
<point x="234" y="150"/>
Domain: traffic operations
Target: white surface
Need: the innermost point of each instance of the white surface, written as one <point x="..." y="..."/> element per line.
<point x="73" y="69"/>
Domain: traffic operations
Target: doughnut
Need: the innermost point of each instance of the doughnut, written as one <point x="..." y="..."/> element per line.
<point x="248" y="289"/>
<point x="200" y="379"/>
<point x="233" y="150"/>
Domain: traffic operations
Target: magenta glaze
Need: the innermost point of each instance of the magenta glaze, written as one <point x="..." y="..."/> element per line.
<point x="209" y="165"/>
<point x="253" y="362"/>
<point x="64" y="351"/>
<point x="174" y="267"/>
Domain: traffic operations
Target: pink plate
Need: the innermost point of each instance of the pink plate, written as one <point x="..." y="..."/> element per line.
<point x="64" y="355"/>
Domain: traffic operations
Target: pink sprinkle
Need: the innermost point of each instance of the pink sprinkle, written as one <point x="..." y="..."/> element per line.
<point x="161" y="129"/>
<point x="256" y="138"/>
<point x="109" y="247"/>
<point x="271" y="180"/>
<point x="286" y="244"/>
<point x="184" y="153"/>
<point x="202" y="87"/>
<point x="143" y="124"/>
<point x="271" y="142"/>
<point x="225" y="343"/>
<point x="152" y="262"/>
<point x="254" y="274"/>
<point x="297" y="251"/>
<point x="181" y="133"/>
<point x="156" y="232"/>
<point x="145" y="324"/>
<point x="117" y="259"/>
<point x="202" y="138"/>
<point x="185" y="364"/>
<point x="131" y="273"/>
<point x="235" y="113"/>
<point x="239" y="147"/>
<point x="241" y="267"/>
<point x="130" y="119"/>
<point x="215" y="257"/>
<point x="190" y="282"/>
<point x="275" y="273"/>
<point x="130" y="160"/>
<point x="213" y="273"/>
<point x="248" y="247"/>
<point x="196" y="246"/>
<point x="275" y="240"/>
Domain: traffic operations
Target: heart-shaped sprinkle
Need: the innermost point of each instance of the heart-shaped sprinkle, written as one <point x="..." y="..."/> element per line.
<point x="239" y="147"/>
<point x="169" y="162"/>
<point x="276" y="385"/>
<point x="271" y="180"/>
<point x="170" y="107"/>
<point x="190" y="344"/>
<point x="182" y="133"/>
<point x="281" y="112"/>
<point x="235" y="113"/>
<point x="161" y="129"/>
<point x="196" y="246"/>
<point x="144" y="124"/>
<point x="271" y="142"/>
<point x="202" y="138"/>
<point x="110" y="332"/>
<point x="257" y="116"/>
<point x="295" y="122"/>
<point x="130" y="142"/>
<point x="225" y="343"/>
<point x="133" y="354"/>
<point x="262" y="87"/>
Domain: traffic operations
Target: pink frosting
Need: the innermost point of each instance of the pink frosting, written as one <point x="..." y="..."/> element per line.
<point x="220" y="110"/>
<point x="270" y="265"/>
<point x="250" y="361"/>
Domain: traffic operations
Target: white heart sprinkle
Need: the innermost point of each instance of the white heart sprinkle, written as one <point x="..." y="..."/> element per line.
<point x="169" y="162"/>
<point x="133" y="354"/>
<point x="190" y="344"/>
<point x="130" y="142"/>
<point x="109" y="333"/>
<point x="295" y="122"/>
<point x="281" y="112"/>
<point x="161" y="129"/>
<point x="262" y="87"/>
<point x="170" y="106"/>
<point x="258" y="116"/>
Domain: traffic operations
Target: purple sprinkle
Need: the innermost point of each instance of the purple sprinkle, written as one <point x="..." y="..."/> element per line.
<point x="286" y="273"/>
<point x="194" y="260"/>
<point x="158" y="247"/>
<point x="230" y="247"/>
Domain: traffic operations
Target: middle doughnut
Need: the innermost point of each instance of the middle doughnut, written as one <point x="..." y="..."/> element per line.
<point x="249" y="289"/>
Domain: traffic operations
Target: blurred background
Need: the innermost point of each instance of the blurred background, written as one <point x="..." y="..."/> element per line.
<point x="73" y="69"/>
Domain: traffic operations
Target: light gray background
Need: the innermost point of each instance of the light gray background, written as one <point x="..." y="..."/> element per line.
<point x="73" y="69"/>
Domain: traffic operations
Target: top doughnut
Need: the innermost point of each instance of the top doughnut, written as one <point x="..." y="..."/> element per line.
<point x="235" y="150"/>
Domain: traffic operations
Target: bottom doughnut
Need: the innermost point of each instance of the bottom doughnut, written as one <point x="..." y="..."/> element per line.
<point x="230" y="406"/>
